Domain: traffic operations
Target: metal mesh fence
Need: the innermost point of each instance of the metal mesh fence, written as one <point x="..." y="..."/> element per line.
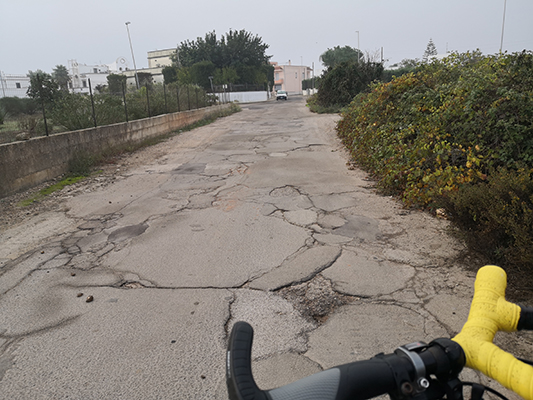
<point x="73" y="111"/>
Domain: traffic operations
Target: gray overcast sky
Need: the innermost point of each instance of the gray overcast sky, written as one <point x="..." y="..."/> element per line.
<point x="37" y="34"/>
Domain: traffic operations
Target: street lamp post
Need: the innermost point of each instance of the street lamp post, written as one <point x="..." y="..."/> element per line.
<point x="503" y="24"/>
<point x="132" y="56"/>
<point x="358" y="50"/>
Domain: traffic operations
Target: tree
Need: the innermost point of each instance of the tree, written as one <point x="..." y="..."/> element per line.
<point x="192" y="52"/>
<point x="200" y="73"/>
<point x="241" y="48"/>
<point x="170" y="74"/>
<point x="61" y="76"/>
<point x="225" y="75"/>
<point x="42" y="87"/>
<point x="339" y="85"/>
<point x="333" y="57"/>
<point x="431" y="50"/>
<point x="241" y="51"/>
<point x="115" y="83"/>
<point x="145" y="79"/>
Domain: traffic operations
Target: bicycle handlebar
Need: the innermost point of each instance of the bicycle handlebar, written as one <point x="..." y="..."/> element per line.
<point x="490" y="313"/>
<point x="395" y="373"/>
<point x="413" y="369"/>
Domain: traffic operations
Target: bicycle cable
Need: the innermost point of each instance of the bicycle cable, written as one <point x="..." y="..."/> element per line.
<point x="478" y="390"/>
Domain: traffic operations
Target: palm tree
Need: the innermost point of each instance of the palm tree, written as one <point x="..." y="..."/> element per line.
<point x="61" y="76"/>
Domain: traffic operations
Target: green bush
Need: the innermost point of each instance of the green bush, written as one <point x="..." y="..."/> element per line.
<point x="497" y="215"/>
<point x="316" y="107"/>
<point x="81" y="164"/>
<point x="436" y="137"/>
<point x="340" y="84"/>
<point x="15" y="106"/>
<point x="73" y="111"/>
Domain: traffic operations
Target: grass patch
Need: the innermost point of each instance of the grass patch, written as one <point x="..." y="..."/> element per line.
<point x="41" y="194"/>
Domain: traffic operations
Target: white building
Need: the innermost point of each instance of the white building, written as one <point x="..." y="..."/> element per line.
<point x="13" y="85"/>
<point x="160" y="58"/>
<point x="80" y="74"/>
<point x="157" y="60"/>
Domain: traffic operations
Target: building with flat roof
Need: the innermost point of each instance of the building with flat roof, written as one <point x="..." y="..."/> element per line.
<point x="289" y="77"/>
<point x="160" y="58"/>
<point x="81" y="73"/>
<point x="157" y="60"/>
<point x="14" y="85"/>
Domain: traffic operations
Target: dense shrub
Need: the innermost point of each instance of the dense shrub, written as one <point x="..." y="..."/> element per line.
<point x="74" y="111"/>
<point x="15" y="106"/>
<point x="497" y="215"/>
<point x="316" y="107"/>
<point x="340" y="84"/>
<point x="435" y="137"/>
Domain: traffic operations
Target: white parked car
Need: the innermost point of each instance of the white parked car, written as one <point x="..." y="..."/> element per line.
<point x="281" y="94"/>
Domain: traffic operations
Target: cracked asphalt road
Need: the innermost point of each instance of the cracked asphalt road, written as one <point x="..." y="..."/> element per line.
<point x="256" y="217"/>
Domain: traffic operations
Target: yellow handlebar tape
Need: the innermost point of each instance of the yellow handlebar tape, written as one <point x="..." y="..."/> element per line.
<point x="489" y="313"/>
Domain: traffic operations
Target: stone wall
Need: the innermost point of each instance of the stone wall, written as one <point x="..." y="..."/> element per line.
<point x="28" y="163"/>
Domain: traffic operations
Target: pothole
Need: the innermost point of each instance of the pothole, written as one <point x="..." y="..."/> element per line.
<point x="285" y="191"/>
<point x="132" y="285"/>
<point x="127" y="232"/>
<point x="315" y="299"/>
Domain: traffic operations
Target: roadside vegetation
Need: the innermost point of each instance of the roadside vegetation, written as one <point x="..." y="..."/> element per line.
<point x="348" y="73"/>
<point x="23" y="117"/>
<point x="456" y="135"/>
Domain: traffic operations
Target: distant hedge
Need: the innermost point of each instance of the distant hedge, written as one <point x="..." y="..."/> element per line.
<point x="456" y="134"/>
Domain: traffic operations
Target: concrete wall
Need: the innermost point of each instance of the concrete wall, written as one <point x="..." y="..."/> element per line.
<point x="244" y="97"/>
<point x="28" y="163"/>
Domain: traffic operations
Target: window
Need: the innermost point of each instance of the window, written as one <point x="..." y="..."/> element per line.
<point x="84" y="83"/>
<point x="95" y="70"/>
<point x="296" y="75"/>
<point x="277" y="76"/>
<point x="17" y="85"/>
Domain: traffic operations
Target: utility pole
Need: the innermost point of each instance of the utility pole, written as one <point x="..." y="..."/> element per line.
<point x="132" y="56"/>
<point x="503" y="25"/>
